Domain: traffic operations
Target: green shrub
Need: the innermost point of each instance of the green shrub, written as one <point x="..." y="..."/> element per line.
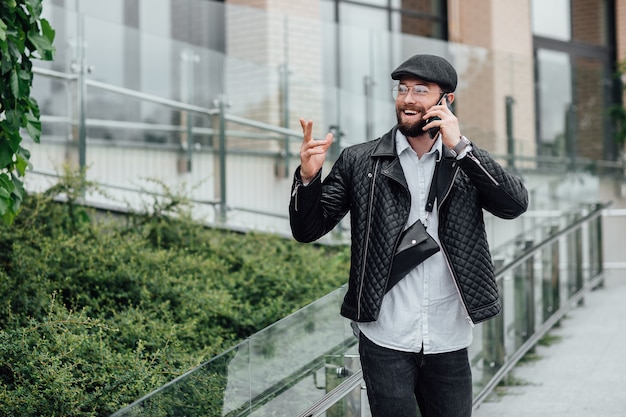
<point x="97" y="311"/>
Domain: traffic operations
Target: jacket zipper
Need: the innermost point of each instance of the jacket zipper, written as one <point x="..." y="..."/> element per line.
<point x="456" y="285"/>
<point x="294" y="195"/>
<point x="445" y="254"/>
<point x="367" y="239"/>
<point x="473" y="158"/>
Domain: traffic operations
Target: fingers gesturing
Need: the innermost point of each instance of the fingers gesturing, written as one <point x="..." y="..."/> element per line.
<point x="312" y="152"/>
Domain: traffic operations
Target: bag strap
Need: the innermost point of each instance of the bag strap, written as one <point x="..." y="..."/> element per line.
<point x="433" y="189"/>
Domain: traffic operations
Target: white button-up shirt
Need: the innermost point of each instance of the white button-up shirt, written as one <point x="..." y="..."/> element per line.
<point x="424" y="310"/>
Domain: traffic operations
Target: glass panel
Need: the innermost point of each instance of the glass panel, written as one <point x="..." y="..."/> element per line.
<point x="555" y="101"/>
<point x="552" y="19"/>
<point x="363" y="17"/>
<point x="154" y="17"/>
<point x="381" y="3"/>
<point x="280" y="368"/>
<point x="288" y="358"/>
<point x="417" y="25"/>
<point x="423" y="6"/>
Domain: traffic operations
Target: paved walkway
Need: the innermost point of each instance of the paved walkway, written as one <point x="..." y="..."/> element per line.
<point x="583" y="373"/>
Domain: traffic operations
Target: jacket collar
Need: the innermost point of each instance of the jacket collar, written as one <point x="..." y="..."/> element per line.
<point x="386" y="147"/>
<point x="387" y="144"/>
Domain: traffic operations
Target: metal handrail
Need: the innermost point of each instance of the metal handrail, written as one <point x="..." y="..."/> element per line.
<point x="332" y="397"/>
<point x="127" y="92"/>
<point x="343" y="389"/>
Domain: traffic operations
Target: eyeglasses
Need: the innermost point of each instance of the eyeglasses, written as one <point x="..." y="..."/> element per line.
<point x="418" y="90"/>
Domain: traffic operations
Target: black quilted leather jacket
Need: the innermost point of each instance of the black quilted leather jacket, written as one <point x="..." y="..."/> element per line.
<point x="367" y="180"/>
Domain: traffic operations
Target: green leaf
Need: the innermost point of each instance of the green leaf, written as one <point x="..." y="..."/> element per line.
<point x="34" y="107"/>
<point x="17" y="195"/>
<point x="47" y="30"/>
<point x="22" y="163"/>
<point x="4" y="205"/>
<point x="14" y="83"/>
<point x="43" y="45"/>
<point x="9" y="207"/>
<point x="6" y="155"/>
<point x="3" y="31"/>
<point x="18" y="189"/>
<point x="33" y="127"/>
<point x="34" y="8"/>
<point x="8" y="217"/>
<point x="13" y="121"/>
<point x="15" y="47"/>
<point x="6" y="185"/>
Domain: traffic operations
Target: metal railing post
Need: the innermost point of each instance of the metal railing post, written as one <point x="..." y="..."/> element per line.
<point x="599" y="245"/>
<point x="576" y="279"/>
<point x="596" y="261"/>
<point x="494" y="352"/>
<point x="523" y="298"/>
<point x="510" y="140"/>
<point x="222" y="156"/>
<point x="550" y="285"/>
<point x="530" y="293"/>
<point x="79" y="67"/>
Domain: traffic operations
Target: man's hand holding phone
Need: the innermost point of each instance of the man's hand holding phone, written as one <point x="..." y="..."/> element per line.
<point x="312" y="151"/>
<point x="440" y="119"/>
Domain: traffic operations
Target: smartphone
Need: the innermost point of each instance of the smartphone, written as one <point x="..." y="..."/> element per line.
<point x="435" y="130"/>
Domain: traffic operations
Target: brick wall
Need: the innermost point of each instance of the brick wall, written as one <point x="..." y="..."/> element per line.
<point x="265" y="37"/>
<point x="503" y="28"/>
<point x="589" y="22"/>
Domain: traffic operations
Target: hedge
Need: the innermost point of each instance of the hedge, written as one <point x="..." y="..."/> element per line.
<point x="96" y="311"/>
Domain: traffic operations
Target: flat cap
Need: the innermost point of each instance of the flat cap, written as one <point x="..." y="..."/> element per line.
<point x="430" y="68"/>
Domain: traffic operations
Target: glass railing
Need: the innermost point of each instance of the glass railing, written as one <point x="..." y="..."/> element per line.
<point x="307" y="364"/>
<point x="283" y="367"/>
<point x="540" y="279"/>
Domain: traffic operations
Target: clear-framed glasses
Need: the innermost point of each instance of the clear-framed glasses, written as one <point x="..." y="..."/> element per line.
<point x="418" y="90"/>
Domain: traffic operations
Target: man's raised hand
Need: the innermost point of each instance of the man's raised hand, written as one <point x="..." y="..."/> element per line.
<point x="312" y="152"/>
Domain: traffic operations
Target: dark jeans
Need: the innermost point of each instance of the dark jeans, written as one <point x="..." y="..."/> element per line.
<point x="398" y="382"/>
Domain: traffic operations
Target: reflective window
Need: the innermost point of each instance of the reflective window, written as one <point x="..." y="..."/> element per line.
<point x="576" y="20"/>
<point x="555" y="101"/>
<point x="154" y="17"/>
<point x="423" y="6"/>
<point x="111" y="11"/>
<point x="364" y="17"/>
<point x="382" y="3"/>
<point x="552" y="19"/>
<point x="415" y="25"/>
<point x="425" y="18"/>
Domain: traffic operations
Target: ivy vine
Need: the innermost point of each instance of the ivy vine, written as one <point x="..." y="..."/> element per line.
<point x="24" y="36"/>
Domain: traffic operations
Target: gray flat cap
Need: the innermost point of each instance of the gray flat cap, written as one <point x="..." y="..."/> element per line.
<point x="430" y="68"/>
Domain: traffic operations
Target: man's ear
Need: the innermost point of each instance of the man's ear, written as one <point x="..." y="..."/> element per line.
<point x="450" y="97"/>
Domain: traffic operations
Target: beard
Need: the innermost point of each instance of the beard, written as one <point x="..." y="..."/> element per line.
<point x="410" y="130"/>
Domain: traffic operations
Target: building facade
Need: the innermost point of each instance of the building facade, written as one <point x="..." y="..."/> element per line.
<point x="536" y="76"/>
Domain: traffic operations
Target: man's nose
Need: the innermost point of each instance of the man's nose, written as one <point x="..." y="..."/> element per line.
<point x="410" y="97"/>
